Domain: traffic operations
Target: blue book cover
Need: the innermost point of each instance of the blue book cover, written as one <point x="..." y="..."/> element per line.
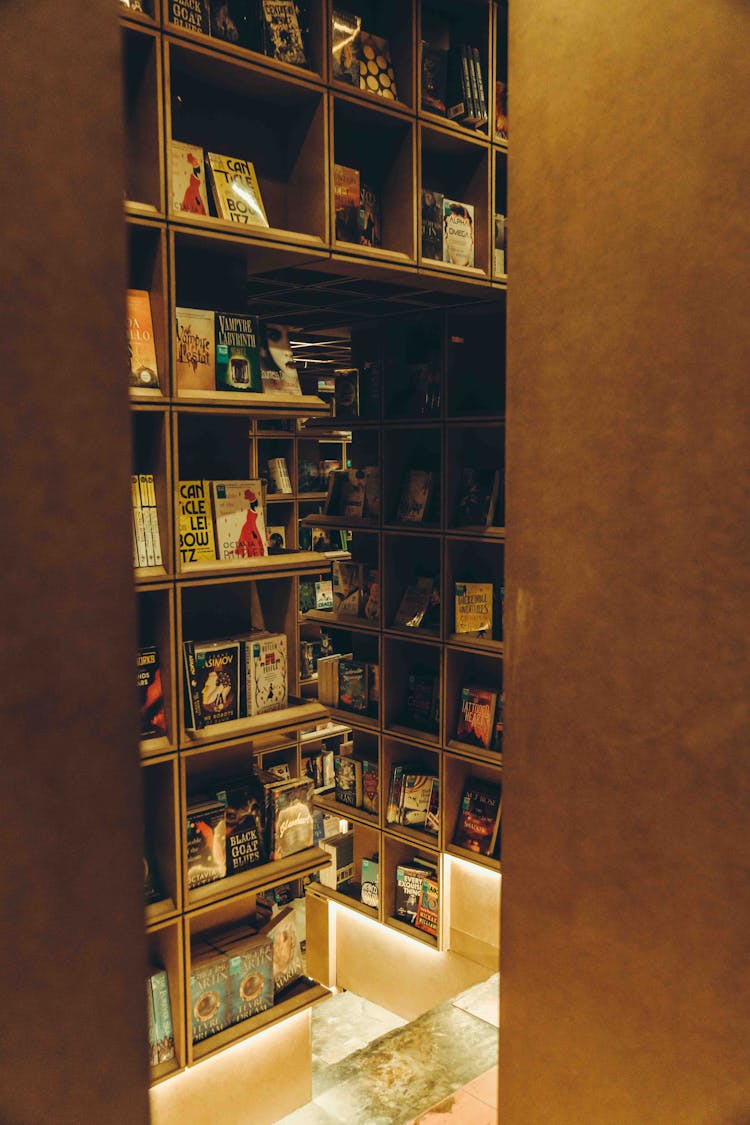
<point x="250" y="977"/>
<point x="209" y="996"/>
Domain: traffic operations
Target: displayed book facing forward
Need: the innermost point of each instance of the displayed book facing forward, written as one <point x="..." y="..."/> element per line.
<point x="236" y="190"/>
<point x="473" y="609"/>
<point x="478" y="820"/>
<point x="195" y="350"/>
<point x="237" y="353"/>
<point x="476" y="714"/>
<point x="188" y="183"/>
<point x="239" y="519"/>
<point x="141" y="345"/>
<point x="282" y="38"/>
<point x="478" y="496"/>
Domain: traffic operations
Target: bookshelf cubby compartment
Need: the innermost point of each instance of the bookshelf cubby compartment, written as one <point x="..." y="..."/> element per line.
<point x="165" y="951"/>
<point x="297" y="997"/>
<point x="269" y="449"/>
<point x="470" y="669"/>
<point x="406" y="560"/>
<point x="474" y="447"/>
<point x="409" y="668"/>
<point x="380" y="144"/>
<point x="147" y="270"/>
<point x="457" y="772"/>
<point x="155" y="614"/>
<point x="415" y="760"/>
<point x="349" y="893"/>
<point x="405" y="449"/>
<point x="467" y="560"/>
<point x="151" y="456"/>
<point x="392" y="20"/>
<point x="312" y="455"/>
<point x="313" y="37"/>
<point x="397" y="851"/>
<point x="458" y="168"/>
<point x="447" y="25"/>
<point x="277" y="122"/>
<point x="412" y="368"/>
<point x="162" y="842"/>
<point x="366" y="747"/>
<point x="472" y="335"/>
<point x="142" y="86"/>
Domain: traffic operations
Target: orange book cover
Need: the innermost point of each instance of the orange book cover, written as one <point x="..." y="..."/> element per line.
<point x="141" y="346"/>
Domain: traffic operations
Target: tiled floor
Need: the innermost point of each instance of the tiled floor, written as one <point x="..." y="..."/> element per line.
<point x="371" y="1068"/>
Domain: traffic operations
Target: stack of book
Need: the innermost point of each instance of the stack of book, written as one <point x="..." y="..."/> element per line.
<point x="146" y="539"/>
<point x="417" y="900"/>
<point x="453" y="84"/>
<point x="413" y="798"/>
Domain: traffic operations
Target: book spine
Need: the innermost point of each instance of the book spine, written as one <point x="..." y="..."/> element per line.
<point x="153" y="1036"/>
<point x="139" y="523"/>
<point x="163" y="1013"/>
<point x="194" y="716"/>
<point x="469" y="85"/>
<point x="394" y="797"/>
<point x="143" y="507"/>
<point x="480" y="85"/>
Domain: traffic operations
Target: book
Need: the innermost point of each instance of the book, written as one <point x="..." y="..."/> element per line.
<point x="432" y="819"/>
<point x="278" y="476"/>
<point x="427" y="917"/>
<point x="209" y="994"/>
<point x="393" y="807"/>
<point x="347" y="200"/>
<point x="275" y="538"/>
<point x="195" y="359"/>
<point x="499" y="250"/>
<point x="188" y="185"/>
<point x="288" y="965"/>
<point x="206" y="842"/>
<point x="144" y="371"/>
<point x="193" y="711"/>
<point x="370" y="223"/>
<point x="239" y="520"/>
<point x="346" y="397"/>
<point x="346" y="35"/>
<point x="290" y="817"/>
<point x="341" y="850"/>
<point x="370" y="786"/>
<point x="144" y="495"/>
<point x="347" y="772"/>
<point x="353" y="685"/>
<point x="409" y="889"/>
<point x="473" y="608"/>
<point x="250" y="976"/>
<point x="458" y="233"/>
<point x="370" y="881"/>
<point x="217" y="674"/>
<point x="234" y="22"/>
<point x="195" y="522"/>
<point x="278" y="370"/>
<point x="432" y="225"/>
<point x="162" y="1016"/>
<point x="422" y="702"/>
<point x="476" y="712"/>
<point x="416" y="491"/>
<point x="415" y="799"/>
<point x="376" y="74"/>
<point x="245" y="837"/>
<point x="283" y="35"/>
<point x="478" y="494"/>
<point x="306" y="595"/>
<point x="352" y="498"/>
<point x="236" y="191"/>
<point x="153" y="891"/>
<point x="434" y="76"/>
<point x="414" y="604"/>
<point x="371" y="594"/>
<point x="265" y="672"/>
<point x="482" y="100"/>
<point x="347" y="581"/>
<point x="237" y="353"/>
<point x="501" y="110"/>
<point x="153" y="722"/>
<point x="324" y="597"/>
<point x="193" y="15"/>
<point x="478" y="820"/>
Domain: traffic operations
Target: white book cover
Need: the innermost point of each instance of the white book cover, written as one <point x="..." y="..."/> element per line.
<point x="266" y="674"/>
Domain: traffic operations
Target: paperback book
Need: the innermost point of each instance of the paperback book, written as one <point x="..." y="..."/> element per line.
<point x="150" y="694"/>
<point x="245" y="843"/>
<point x="206" y="843"/>
<point x="414" y="500"/>
<point x="250" y="976"/>
<point x="369" y="215"/>
<point x="370" y="882"/>
<point x="236" y="190"/>
<point x="290" y="816"/>
<point x="476" y="713"/>
<point x="432" y="225"/>
<point x="353" y="685"/>
<point x="283" y="39"/>
<point x="347" y="202"/>
<point x="434" y="78"/>
<point x="233" y="21"/>
<point x="414" y="604"/>
<point x="458" y="233"/>
<point x="376" y="74"/>
<point x="288" y="964"/>
<point x="187" y="180"/>
<point x="265" y="671"/>
<point x="347" y="772"/>
<point x="346" y="36"/>
<point x="217" y="674"/>
<point x="346" y="396"/>
<point x="161" y="1030"/>
<point x="209" y="994"/>
<point x="239" y="520"/>
<point x="278" y="369"/>
<point x="478" y="820"/>
<point x="192" y="15"/>
<point x="427" y="916"/>
<point x="478" y="495"/>
<point x="237" y="353"/>
<point x="195" y="350"/>
<point x="341" y="850"/>
<point x="473" y="609"/>
<point x="195" y="522"/>
<point x="141" y="345"/>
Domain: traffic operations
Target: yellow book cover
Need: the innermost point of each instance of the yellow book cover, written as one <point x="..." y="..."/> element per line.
<point x="474" y="608"/>
<point x="195" y="524"/>
<point x="195" y="355"/>
<point x="141" y="346"/>
<point x="236" y="190"/>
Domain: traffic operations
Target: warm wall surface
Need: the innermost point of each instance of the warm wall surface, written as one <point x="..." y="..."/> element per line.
<point x="626" y="889"/>
<point x="72" y="1045"/>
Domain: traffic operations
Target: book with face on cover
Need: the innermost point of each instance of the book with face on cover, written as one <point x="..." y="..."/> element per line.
<point x="187" y="180"/>
<point x="278" y="369"/>
<point x="239" y="519"/>
<point x="458" y="233"/>
<point x="236" y="190"/>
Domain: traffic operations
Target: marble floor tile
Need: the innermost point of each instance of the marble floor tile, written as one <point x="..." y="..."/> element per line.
<point x="458" y="1109"/>
<point x="310" y="1114"/>
<point x="344" y="1024"/>
<point x="482" y="1000"/>
<point x="484" y="1087"/>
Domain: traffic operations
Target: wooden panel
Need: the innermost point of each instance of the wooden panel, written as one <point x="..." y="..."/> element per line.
<point x="625" y="844"/>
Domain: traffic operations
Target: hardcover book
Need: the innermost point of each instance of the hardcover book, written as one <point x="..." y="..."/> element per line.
<point x="434" y="78"/>
<point x="341" y="849"/>
<point x="347" y="199"/>
<point x="217" y="675"/>
<point x="278" y="369"/>
<point x="193" y="15"/>
<point x="283" y="35"/>
<point x="195" y="350"/>
<point x="291" y="827"/>
<point x="265" y="670"/>
<point x="195" y="524"/>
<point x="250" y="983"/>
<point x="346" y="35"/>
<point x="236" y="190"/>
<point x="428" y="906"/>
<point x="476" y="712"/>
<point x="237" y="353"/>
<point x="188" y="185"/>
<point x="239" y="520"/>
<point x="141" y="345"/>
<point x="288" y="965"/>
<point x="415" y="496"/>
<point x="209" y="994"/>
<point x="432" y="225"/>
<point x="473" y="613"/>
<point x="353" y="685"/>
<point x="479" y="491"/>
<point x="150" y="693"/>
<point x="206" y="843"/>
<point x="376" y="74"/>
<point x="245" y="843"/>
<point x="478" y="820"/>
<point x="458" y="233"/>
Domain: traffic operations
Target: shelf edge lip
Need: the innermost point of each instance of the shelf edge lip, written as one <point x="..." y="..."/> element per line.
<point x="348" y="902"/>
<point x="339" y="621"/>
<point x="296" y="562"/>
<point x="287" y="869"/>
<point x="243" y="56"/>
<point x="359" y="816"/>
<point x="412" y="636"/>
<point x="286" y="717"/>
<point x="135" y="209"/>
<point x="474" y="753"/>
<point x="443" y="125"/>
<point x="485" y="861"/>
<point x="233" y="232"/>
<point x="129" y="17"/>
<point x="378" y="255"/>
<point x="416" y="935"/>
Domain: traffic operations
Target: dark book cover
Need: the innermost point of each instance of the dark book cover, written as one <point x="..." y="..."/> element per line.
<point x="416" y="491"/>
<point x="206" y="843"/>
<point x="353" y="685"/>
<point x="152" y="888"/>
<point x="283" y="38"/>
<point x="346" y="47"/>
<point x="432" y="225"/>
<point x="369" y="215"/>
<point x="370" y="786"/>
<point x="237" y="353"/>
<point x="193" y="710"/>
<point x="477" y="497"/>
<point x="434" y="78"/>
<point x="408" y="891"/>
<point x="476" y="713"/>
<point x="347" y="772"/>
<point x="217" y="678"/>
<point x="346" y="398"/>
<point x="347" y="200"/>
<point x="478" y="817"/>
<point x="245" y="845"/>
<point x="291" y="817"/>
<point x="192" y="15"/>
<point x="422" y="701"/>
<point x="234" y="21"/>
<point x="150" y="694"/>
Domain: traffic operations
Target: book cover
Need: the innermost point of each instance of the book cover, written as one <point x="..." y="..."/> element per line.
<point x="239" y="519"/>
<point x="234" y="22"/>
<point x="193" y="712"/>
<point x="217" y="674"/>
<point x="473" y="612"/>
<point x="306" y="594"/>
<point x="371" y="594"/>
<point x="434" y="78"/>
<point x="353" y="685"/>
<point x="245" y="842"/>
<point x="283" y="34"/>
<point x="346" y="35"/>
<point x="478" y="494"/>
<point x="500" y="235"/>
<point x="484" y="115"/>
<point x="206" y="843"/>
<point x="278" y="369"/>
<point x="341" y="850"/>
<point x="346" y="396"/>
<point x="193" y="15"/>
<point x="415" y="799"/>
<point x="209" y="995"/>
<point x="352" y="500"/>
<point x="162" y="1015"/>
<point x="195" y="358"/>
<point x="346" y="197"/>
<point x="408" y="891"/>
<point x="237" y="353"/>
<point x="422" y="705"/>
<point x="188" y="185"/>
<point x="288" y="965"/>
<point x="194" y="522"/>
<point x="376" y="74"/>
<point x="265" y="670"/>
<point x="414" y="604"/>
<point x="153" y="890"/>
<point x="458" y="233"/>
<point x="432" y="820"/>
<point x="478" y="819"/>
<point x="370" y="882"/>
<point x="370" y="222"/>
<point x="347" y="772"/>
<point x="141" y="346"/>
<point x="415" y="495"/>
<point x="324" y="595"/>
<point x="432" y="225"/>
<point x="372" y="491"/>
<point x="501" y="110"/>
<point x="476" y="712"/>
<point x="150" y="693"/>
<point x="250" y="983"/>
<point x="291" y="817"/>
<point x="153" y="1042"/>
<point x="279" y="481"/>
<point x="428" y="906"/>
<point x="347" y="580"/>
<point x="370" y="786"/>
<point x="275" y="538"/>
<point x="236" y="190"/>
